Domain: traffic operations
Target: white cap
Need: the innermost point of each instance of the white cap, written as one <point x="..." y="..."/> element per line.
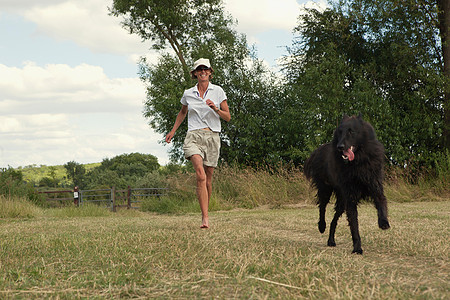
<point x="201" y="62"/>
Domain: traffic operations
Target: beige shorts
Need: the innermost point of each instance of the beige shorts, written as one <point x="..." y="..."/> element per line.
<point x="205" y="143"/>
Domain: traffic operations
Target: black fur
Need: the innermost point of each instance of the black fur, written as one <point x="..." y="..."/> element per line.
<point x="351" y="167"/>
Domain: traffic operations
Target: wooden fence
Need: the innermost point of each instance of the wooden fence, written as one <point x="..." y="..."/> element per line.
<point x="127" y="198"/>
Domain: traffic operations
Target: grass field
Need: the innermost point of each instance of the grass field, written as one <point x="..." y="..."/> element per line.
<point x="246" y="254"/>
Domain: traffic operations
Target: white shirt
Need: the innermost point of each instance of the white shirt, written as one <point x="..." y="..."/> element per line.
<point x="201" y="115"/>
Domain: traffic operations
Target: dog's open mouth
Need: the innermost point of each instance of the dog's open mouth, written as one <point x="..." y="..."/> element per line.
<point x="348" y="154"/>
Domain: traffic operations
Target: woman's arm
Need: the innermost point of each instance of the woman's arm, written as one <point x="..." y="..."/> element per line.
<point x="180" y="118"/>
<point x="224" y="111"/>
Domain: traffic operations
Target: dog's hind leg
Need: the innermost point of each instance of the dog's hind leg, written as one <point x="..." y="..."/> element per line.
<point x="339" y="211"/>
<point x="352" y="216"/>
<point x="323" y="197"/>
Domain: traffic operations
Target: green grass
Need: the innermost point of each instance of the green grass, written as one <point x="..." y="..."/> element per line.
<point x="260" y="254"/>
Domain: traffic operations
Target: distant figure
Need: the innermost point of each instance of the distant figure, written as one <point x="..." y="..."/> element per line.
<point x="205" y="104"/>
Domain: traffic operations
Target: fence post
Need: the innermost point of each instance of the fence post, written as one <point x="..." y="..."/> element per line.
<point x="113" y="199"/>
<point x="129" y="198"/>
<point x="75" y="195"/>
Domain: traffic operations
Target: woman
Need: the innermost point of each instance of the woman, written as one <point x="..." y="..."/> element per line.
<point x="205" y="104"/>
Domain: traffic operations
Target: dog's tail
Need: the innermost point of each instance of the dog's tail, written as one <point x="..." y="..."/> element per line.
<point x="315" y="162"/>
<point x="308" y="169"/>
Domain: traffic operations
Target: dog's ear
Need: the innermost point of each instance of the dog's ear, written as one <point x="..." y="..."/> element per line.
<point x="360" y="116"/>
<point x="345" y="118"/>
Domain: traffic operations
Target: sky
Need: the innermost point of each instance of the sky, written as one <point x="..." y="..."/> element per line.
<point x="69" y="85"/>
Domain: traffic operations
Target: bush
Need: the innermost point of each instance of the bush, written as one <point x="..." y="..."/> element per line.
<point x="152" y="180"/>
<point x="418" y="182"/>
<point x="12" y="185"/>
<point x="285" y="185"/>
<point x="249" y="187"/>
<point x="235" y="187"/>
<point x="442" y="169"/>
<point x="18" y="208"/>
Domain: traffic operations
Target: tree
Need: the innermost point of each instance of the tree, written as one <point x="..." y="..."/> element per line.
<point x="131" y="164"/>
<point x="75" y="172"/>
<point x="122" y="170"/>
<point x="444" y="28"/>
<point x="379" y="58"/>
<point x="194" y="29"/>
<point x="13" y="185"/>
<point x="181" y="24"/>
<point x="416" y="32"/>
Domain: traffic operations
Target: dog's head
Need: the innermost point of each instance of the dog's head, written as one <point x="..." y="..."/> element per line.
<point x="347" y="137"/>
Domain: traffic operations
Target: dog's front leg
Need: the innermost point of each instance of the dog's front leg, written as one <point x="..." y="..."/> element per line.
<point x="352" y="216"/>
<point x="339" y="208"/>
<point x="381" y="206"/>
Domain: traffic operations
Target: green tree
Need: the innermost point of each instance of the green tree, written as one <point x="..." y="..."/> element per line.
<point x="13" y="185"/>
<point x="47" y="182"/>
<point x="122" y="170"/>
<point x="130" y="164"/>
<point x="380" y="58"/>
<point x="76" y="173"/>
<point x="412" y="70"/>
<point x="180" y="24"/>
<point x="194" y="29"/>
<point x="444" y="29"/>
<point x="52" y="176"/>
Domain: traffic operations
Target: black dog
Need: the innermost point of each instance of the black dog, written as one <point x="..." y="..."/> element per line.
<point x="351" y="166"/>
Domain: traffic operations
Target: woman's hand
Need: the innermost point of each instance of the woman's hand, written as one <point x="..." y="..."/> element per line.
<point x="212" y="105"/>
<point x="169" y="137"/>
<point x="180" y="117"/>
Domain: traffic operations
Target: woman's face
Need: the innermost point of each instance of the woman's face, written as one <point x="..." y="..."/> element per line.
<point x="203" y="73"/>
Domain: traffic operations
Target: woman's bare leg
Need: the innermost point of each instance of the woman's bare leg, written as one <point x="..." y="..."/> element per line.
<point x="209" y="175"/>
<point x="202" y="189"/>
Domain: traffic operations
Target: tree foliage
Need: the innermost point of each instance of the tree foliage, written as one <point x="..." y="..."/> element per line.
<point x="12" y="185"/>
<point x="181" y="24"/>
<point x="122" y="170"/>
<point x="383" y="59"/>
<point x="75" y="172"/>
<point x="380" y="58"/>
<point x="195" y="29"/>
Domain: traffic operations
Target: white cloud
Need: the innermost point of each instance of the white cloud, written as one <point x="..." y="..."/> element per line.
<point x="53" y="78"/>
<point x="20" y="5"/>
<point x="61" y="88"/>
<point x="256" y="16"/>
<point x="85" y="22"/>
<point x="88" y="24"/>
<point x="57" y="113"/>
<point x="54" y="113"/>
<point x="266" y="22"/>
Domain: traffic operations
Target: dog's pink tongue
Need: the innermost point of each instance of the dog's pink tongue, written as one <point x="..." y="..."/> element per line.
<point x="349" y="153"/>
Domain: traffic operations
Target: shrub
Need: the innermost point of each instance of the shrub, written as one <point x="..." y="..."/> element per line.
<point x="152" y="179"/>
<point x="12" y="185"/>
<point x="18" y="207"/>
<point x="235" y="187"/>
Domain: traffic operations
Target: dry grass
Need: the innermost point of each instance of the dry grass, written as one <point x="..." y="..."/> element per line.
<point x="286" y="186"/>
<point x="239" y="188"/>
<point x="18" y="208"/>
<point x="260" y="253"/>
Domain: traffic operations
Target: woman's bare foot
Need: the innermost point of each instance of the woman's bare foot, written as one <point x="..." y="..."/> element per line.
<point x="205" y="223"/>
